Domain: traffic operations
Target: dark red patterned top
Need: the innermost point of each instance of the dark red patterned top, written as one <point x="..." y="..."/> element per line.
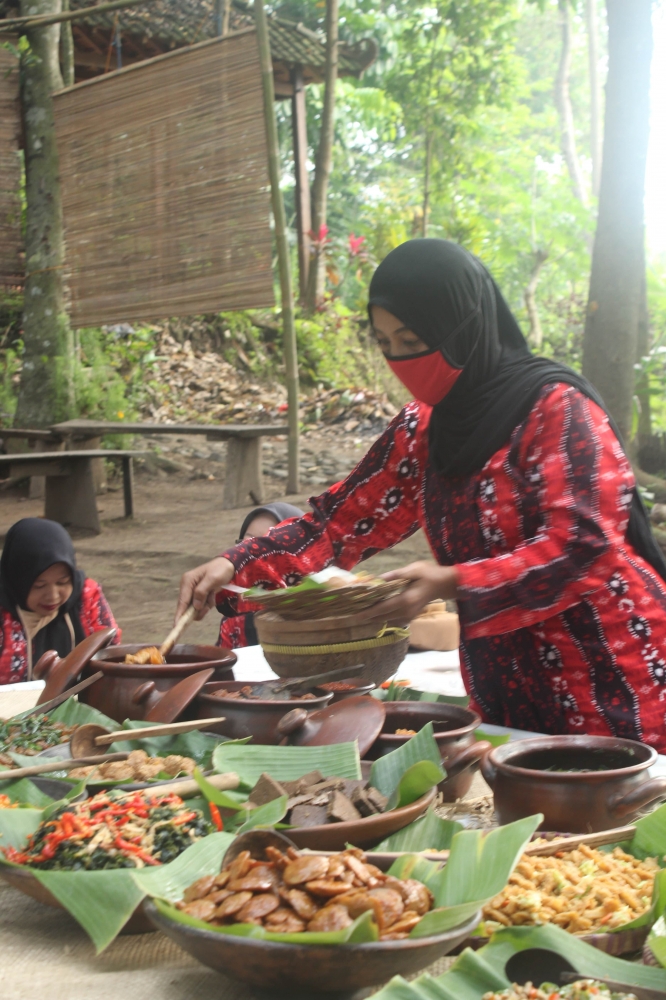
<point x="94" y="614"/>
<point x="563" y="625"/>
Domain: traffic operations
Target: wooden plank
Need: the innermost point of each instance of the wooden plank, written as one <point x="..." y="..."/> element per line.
<point x="91" y="428"/>
<point x="65" y="456"/>
<point x="32" y="467"/>
<point x="29" y="434"/>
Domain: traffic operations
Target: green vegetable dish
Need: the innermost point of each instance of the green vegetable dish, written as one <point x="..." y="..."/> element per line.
<point x="113" y="830"/>
<point x="584" y="989"/>
<point x="30" y="736"/>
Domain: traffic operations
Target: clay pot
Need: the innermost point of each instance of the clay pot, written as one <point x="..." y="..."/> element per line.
<point x="454" y="732"/>
<point x="131" y="690"/>
<point x="573" y="801"/>
<point x="242" y="717"/>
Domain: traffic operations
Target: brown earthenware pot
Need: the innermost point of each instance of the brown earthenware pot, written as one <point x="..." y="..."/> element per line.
<point x="131" y="690"/>
<point x="534" y="775"/>
<point x="244" y="717"/>
<point x="454" y="728"/>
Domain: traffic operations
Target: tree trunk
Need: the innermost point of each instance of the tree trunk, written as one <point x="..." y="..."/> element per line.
<point x="426" y="183"/>
<point x="618" y="269"/>
<point x="324" y="157"/>
<point x="644" y="431"/>
<point x="66" y="50"/>
<point x="535" y="336"/>
<point x="595" y="93"/>
<point x="563" y="102"/>
<point x="46" y="389"/>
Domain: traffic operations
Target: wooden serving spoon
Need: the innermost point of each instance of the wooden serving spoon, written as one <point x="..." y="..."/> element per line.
<point x="151" y="654"/>
<point x="59" y="765"/>
<point x="90" y="739"/>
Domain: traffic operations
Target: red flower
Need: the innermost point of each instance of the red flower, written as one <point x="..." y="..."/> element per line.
<point x="355" y="244"/>
<point x="319" y="241"/>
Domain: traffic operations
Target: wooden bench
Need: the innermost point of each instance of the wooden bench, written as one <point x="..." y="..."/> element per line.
<point x="243" y="476"/>
<point x="70" y="489"/>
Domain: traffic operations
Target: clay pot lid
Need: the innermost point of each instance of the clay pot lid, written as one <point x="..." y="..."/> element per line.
<point x="63" y="673"/>
<point x="360" y="718"/>
<point x="174" y="701"/>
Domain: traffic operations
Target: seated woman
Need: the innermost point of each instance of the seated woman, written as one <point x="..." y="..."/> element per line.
<point x="237" y="629"/>
<point x="45" y="601"/>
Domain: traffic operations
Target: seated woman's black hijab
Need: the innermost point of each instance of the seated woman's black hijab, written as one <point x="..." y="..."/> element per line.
<point x="31" y="546"/>
<point x="447" y="298"/>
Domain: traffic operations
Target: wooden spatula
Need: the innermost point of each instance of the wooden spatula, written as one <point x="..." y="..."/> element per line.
<point x="151" y="654"/>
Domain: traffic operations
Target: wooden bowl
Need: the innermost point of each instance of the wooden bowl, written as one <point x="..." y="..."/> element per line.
<point x="24" y="880"/>
<point x="454" y="733"/>
<point x="364" y="833"/>
<point x="244" y="717"/>
<point x="573" y="801"/>
<point x="299" y="971"/>
<point x="131" y="690"/>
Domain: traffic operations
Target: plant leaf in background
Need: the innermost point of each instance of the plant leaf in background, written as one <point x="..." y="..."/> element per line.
<point x="415" y="782"/>
<point x="497" y="740"/>
<point x="249" y="762"/>
<point x="427" y="833"/>
<point x="475" y="973"/>
<point x="478" y="868"/>
<point x="388" y="771"/>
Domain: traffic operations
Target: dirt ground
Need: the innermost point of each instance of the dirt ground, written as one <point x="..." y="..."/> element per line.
<point x="179" y="522"/>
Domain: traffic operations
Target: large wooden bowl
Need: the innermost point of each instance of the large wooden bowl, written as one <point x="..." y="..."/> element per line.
<point x="299" y="971"/>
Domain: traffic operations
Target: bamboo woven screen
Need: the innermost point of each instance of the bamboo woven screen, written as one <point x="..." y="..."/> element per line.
<point x="11" y="241"/>
<point x="165" y="186"/>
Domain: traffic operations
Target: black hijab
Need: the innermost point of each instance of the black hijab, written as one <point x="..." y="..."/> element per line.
<point x="280" y="511"/>
<point x="446" y="296"/>
<point x="31" y="546"/>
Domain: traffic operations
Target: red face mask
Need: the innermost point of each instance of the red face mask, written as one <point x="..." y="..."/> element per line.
<point x="429" y="376"/>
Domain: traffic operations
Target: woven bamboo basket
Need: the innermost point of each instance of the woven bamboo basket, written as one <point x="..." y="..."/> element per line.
<point x="300" y="652"/>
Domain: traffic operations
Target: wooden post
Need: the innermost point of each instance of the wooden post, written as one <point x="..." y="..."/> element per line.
<point x="288" y="329"/>
<point x="300" y="141"/>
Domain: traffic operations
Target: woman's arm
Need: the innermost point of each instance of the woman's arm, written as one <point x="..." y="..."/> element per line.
<point x="375" y="507"/>
<point x="585" y="490"/>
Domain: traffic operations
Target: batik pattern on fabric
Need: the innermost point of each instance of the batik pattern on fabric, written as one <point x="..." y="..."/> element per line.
<point x="563" y="625"/>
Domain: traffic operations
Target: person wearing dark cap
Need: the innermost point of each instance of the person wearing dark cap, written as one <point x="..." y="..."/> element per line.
<point x="512" y="466"/>
<point x="237" y="626"/>
<point x="45" y="601"/>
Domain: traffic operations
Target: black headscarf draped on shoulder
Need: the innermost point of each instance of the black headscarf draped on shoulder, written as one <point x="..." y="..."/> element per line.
<point x="446" y="296"/>
<point x="31" y="546"/>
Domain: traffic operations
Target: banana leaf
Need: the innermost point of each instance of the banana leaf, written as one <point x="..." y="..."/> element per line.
<point x="415" y="782"/>
<point x="476" y="973"/>
<point x="16" y="825"/>
<point x="266" y="816"/>
<point x="76" y="713"/>
<point x="657" y="941"/>
<point x="479" y="867"/>
<point x="427" y="833"/>
<point x="25" y="792"/>
<point x="497" y="740"/>
<point x="388" y="772"/>
<point x="249" y="762"/>
<point x="226" y="800"/>
<point x="361" y="931"/>
<point x="400" y="692"/>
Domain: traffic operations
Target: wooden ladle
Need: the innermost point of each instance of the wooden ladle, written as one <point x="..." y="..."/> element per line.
<point x="151" y="654"/>
<point x="91" y="740"/>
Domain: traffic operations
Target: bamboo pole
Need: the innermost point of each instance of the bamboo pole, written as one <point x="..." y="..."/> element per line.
<point x="288" y="329"/>
<point x="44" y="21"/>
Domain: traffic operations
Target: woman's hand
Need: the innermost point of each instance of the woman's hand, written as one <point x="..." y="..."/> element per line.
<point x="199" y="586"/>
<point x="427" y="582"/>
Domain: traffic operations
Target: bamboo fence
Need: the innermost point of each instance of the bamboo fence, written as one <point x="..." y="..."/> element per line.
<point x="165" y="186"/>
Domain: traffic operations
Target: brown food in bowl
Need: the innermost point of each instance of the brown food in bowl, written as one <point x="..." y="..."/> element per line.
<point x="247" y="692"/>
<point x="309" y="893"/>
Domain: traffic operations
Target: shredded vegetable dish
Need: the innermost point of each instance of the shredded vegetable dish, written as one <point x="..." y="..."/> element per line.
<point x="584" y="989"/>
<point x="30" y="736"/>
<point x="583" y="891"/>
<point x="113" y="830"/>
<point x="292" y="892"/>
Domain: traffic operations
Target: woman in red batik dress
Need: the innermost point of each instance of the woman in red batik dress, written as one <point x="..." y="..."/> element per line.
<point x="513" y="469"/>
